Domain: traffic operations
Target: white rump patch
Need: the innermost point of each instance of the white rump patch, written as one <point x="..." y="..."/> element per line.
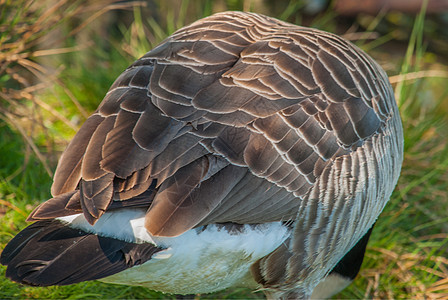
<point x="201" y="260"/>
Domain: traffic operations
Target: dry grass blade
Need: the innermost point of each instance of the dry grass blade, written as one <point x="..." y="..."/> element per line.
<point x="56" y="51"/>
<point x="418" y="75"/>
<point x="75" y="101"/>
<point x="46" y="16"/>
<point x="440" y="286"/>
<point x="55" y="113"/>
<point x="13" y="207"/>
<point x="432" y="237"/>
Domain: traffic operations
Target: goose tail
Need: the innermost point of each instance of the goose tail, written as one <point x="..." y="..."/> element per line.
<point x="50" y="252"/>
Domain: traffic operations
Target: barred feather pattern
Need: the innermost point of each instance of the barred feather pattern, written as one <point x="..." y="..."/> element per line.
<point x="243" y="118"/>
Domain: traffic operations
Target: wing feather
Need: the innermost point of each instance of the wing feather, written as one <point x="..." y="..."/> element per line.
<point x="68" y="172"/>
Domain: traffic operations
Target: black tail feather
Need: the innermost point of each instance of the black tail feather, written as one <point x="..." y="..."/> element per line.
<point x="51" y="253"/>
<point x="350" y="264"/>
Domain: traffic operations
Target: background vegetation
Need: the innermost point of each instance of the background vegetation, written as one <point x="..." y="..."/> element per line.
<point x="58" y="58"/>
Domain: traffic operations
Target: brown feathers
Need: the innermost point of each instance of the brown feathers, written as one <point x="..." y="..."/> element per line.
<point x="275" y="102"/>
<point x="62" y="205"/>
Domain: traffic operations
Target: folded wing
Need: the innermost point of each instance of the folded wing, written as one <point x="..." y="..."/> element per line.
<point x="231" y="119"/>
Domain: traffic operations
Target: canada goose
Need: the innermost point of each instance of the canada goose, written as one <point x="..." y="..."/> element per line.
<point x="242" y="150"/>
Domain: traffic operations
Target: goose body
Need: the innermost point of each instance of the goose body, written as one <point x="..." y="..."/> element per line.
<point x="241" y="151"/>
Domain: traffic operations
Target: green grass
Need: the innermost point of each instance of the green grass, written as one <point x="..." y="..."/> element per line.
<point x="406" y="256"/>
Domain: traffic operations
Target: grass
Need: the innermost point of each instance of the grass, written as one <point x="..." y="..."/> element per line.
<point x="407" y="254"/>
